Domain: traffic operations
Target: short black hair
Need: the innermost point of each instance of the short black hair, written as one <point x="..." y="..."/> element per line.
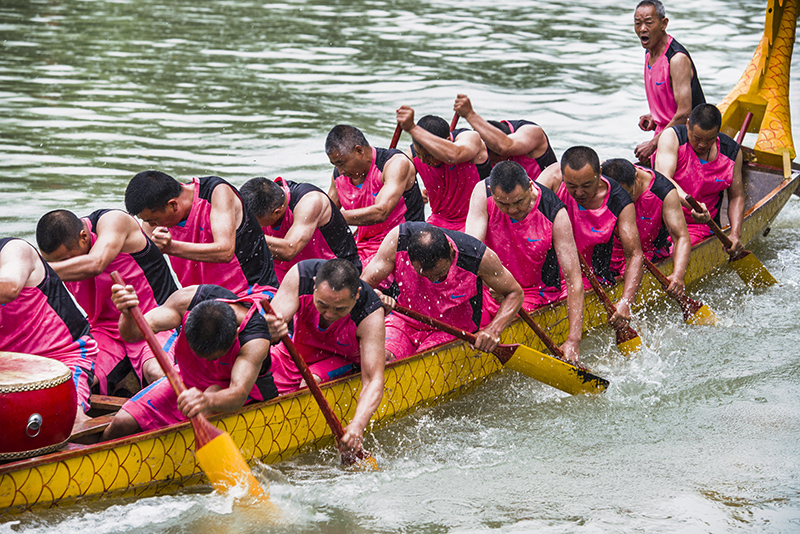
<point x="621" y="170"/>
<point x="427" y="246"/>
<point x="660" y="11"/>
<point x="507" y="175"/>
<point x="343" y="139"/>
<point x="150" y="190"/>
<point x="56" y="228"/>
<point x="435" y="125"/>
<point x="339" y="274"/>
<point x="706" y="116"/>
<point x="210" y="328"/>
<point x="262" y="196"/>
<point x="577" y="157"/>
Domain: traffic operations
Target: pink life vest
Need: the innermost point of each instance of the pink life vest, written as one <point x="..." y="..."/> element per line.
<point x="368" y="238"/>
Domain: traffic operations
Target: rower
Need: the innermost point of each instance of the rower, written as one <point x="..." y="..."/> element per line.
<point x="209" y="234"/>
<point x="84" y="252"/>
<point x="338" y="326"/>
<point x="222" y="355"/>
<point x="441" y="273"/>
<point x="529" y="229"/>
<point x="600" y="209"/>
<point x="375" y="188"/>
<point x="670" y="77"/>
<point x="659" y="220"/>
<point x="38" y="316"/>
<point x="517" y="140"/>
<point x="704" y="163"/>
<point x="299" y="222"/>
<point x="449" y="164"/>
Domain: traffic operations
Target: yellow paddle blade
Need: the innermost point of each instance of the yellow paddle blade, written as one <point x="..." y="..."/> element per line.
<point x="631" y="346"/>
<point x="752" y="271"/>
<point x="703" y="316"/>
<point x="555" y="372"/>
<point x="225" y="467"/>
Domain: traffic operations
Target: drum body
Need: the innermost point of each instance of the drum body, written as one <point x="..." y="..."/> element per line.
<point x="38" y="404"/>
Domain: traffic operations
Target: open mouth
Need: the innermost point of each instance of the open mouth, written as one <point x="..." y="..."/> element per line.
<point x="644" y="39"/>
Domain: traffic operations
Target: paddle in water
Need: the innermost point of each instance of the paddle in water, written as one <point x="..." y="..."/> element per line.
<point x="694" y="312"/>
<point x="628" y="340"/>
<point x="216" y="453"/>
<point x="747" y="266"/>
<point x="358" y="456"/>
<point x="551" y="371"/>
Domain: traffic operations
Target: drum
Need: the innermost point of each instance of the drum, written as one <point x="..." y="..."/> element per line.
<point x="37" y="405"/>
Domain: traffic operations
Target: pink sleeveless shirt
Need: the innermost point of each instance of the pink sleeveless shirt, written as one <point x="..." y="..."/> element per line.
<point x="368" y="238"/>
<point x="449" y="189"/>
<point x="525" y="246"/>
<point x="706" y="182"/>
<point x="594" y="229"/>
<point x="649" y="221"/>
<point x="317" y="247"/>
<point x="658" y="88"/>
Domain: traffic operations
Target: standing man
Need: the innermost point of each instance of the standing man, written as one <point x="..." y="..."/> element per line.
<point x="376" y="188"/>
<point x="659" y="220"/>
<point x="84" y="252"/>
<point x="300" y="222"/>
<point x="338" y="324"/>
<point x="38" y="316"/>
<point x="522" y="141"/>
<point x="449" y="163"/>
<point x="441" y="274"/>
<point x="670" y="77"/>
<point x="601" y="209"/>
<point x="529" y="229"/>
<point x="704" y="163"/>
<point x="222" y="354"/>
<point x="209" y="234"/>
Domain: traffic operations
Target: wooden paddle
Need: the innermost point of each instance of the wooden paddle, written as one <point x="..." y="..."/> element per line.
<point x="694" y="312"/>
<point x="217" y="454"/>
<point x="628" y="340"/>
<point x="454" y="122"/>
<point x="359" y="455"/>
<point x="747" y="266"/>
<point x="551" y="371"/>
<point x="554" y="349"/>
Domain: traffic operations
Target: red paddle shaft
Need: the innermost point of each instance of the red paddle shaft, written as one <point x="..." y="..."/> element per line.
<point x="348" y="458"/>
<point x="539" y="331"/>
<point x="625" y="333"/>
<point x="743" y="129"/>
<point x="724" y="239"/>
<point x="204" y="431"/>
<point x="688" y="306"/>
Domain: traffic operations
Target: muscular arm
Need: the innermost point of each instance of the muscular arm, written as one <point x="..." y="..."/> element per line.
<point x="19" y="267"/>
<point x="499" y="279"/>
<point x="165" y="317"/>
<point x="736" y="204"/>
<point x="478" y="217"/>
<point x="286" y="302"/>
<point x="243" y="376"/>
<point x="673" y="218"/>
<point x="116" y="232"/>
<point x="529" y="140"/>
<point x="567" y="254"/>
<point x="632" y="249"/>
<point x="226" y="216"/>
<point x="468" y="146"/>
<point x="311" y="212"/>
<point x="382" y="264"/>
<point x="371" y="334"/>
<point x="667" y="160"/>
<point x="551" y="177"/>
<point x="395" y="177"/>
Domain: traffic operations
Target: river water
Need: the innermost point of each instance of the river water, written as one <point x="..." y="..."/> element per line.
<point x="697" y="434"/>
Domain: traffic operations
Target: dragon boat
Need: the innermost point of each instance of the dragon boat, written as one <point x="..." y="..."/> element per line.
<point x="162" y="461"/>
